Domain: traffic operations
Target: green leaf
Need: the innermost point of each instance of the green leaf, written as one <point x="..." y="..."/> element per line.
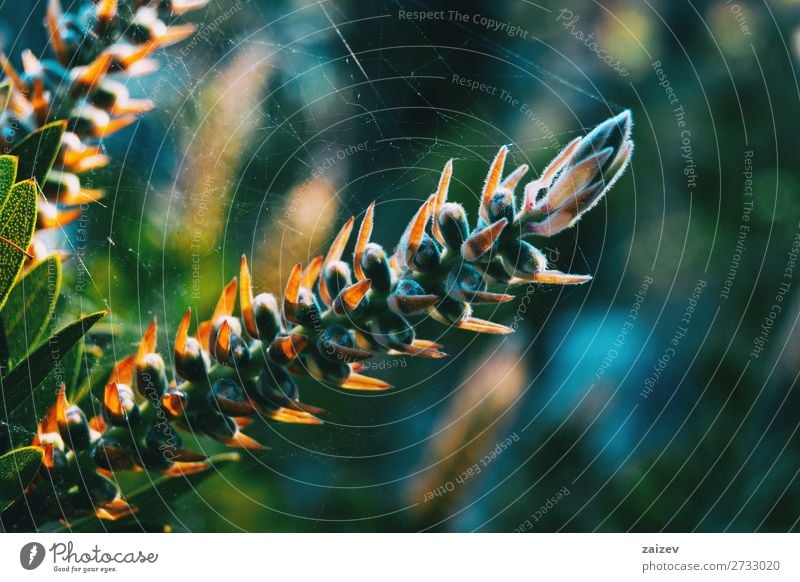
<point x="29" y="309"/>
<point x="38" y="150"/>
<point x="17" y="470"/>
<point x="17" y="223"/>
<point x="8" y="175"/>
<point x="5" y="95"/>
<point x="30" y="389"/>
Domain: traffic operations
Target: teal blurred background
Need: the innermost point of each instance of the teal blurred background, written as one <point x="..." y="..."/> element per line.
<point x="661" y="396"/>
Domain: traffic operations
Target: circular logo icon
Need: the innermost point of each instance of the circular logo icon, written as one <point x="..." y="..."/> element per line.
<point x="31" y="555"/>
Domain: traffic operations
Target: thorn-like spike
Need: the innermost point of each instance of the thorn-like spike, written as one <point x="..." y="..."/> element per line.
<point x="204" y="335"/>
<point x="311" y="273"/>
<point x="114" y="510"/>
<point x="292" y="293"/>
<point x="226" y="302"/>
<point x="483" y="326"/>
<point x="176" y="33"/>
<point x="183" y="333"/>
<point x="179" y="7"/>
<point x="113" y="126"/>
<point x="61" y="407"/>
<point x="492" y="181"/>
<point x="54" y="14"/>
<point x="410" y="304"/>
<point x="554" y="277"/>
<point x="11" y="73"/>
<point x="441" y="198"/>
<point x="222" y="348"/>
<point x="138" y="54"/>
<point x="242" y="441"/>
<point x="484" y="297"/>
<point x="352" y="296"/>
<point x="511" y="181"/>
<point x="418" y="351"/>
<point x="334" y="254"/>
<point x="185" y="468"/>
<point x="112" y="401"/>
<point x="416" y="229"/>
<point x="365" y="383"/>
<point x="346" y="354"/>
<point x="122" y="372"/>
<point x="88" y="76"/>
<point x="126" y="107"/>
<point x="106" y="10"/>
<point x="293" y="416"/>
<point x="30" y="64"/>
<point x="246" y="299"/>
<point x="285" y="349"/>
<point x="148" y="343"/>
<point x="423" y="343"/>
<point x="480" y="242"/>
<point x="364" y="232"/>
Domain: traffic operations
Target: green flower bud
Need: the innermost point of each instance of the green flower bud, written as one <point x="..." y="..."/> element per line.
<point x="522" y="259"/>
<point x="376" y="267"/>
<point x="390" y="329"/>
<point x="453" y="225"/>
<point x="229" y="398"/>
<point x="268" y="316"/>
<point x="337" y="277"/>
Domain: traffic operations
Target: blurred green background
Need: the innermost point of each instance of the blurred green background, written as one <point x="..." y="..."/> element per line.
<point x="279" y="120"/>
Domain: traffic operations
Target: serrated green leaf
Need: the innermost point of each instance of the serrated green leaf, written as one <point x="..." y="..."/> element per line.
<point x="17" y="470"/>
<point x="8" y="175"/>
<point x="17" y="223"/>
<point x="29" y="308"/>
<point x="30" y="389"/>
<point x="38" y="150"/>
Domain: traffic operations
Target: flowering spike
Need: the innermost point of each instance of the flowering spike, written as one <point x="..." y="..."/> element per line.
<point x="364" y="232"/>
<point x="492" y="181"/>
<point x="480" y="242"/>
<point x="441" y="198"/>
